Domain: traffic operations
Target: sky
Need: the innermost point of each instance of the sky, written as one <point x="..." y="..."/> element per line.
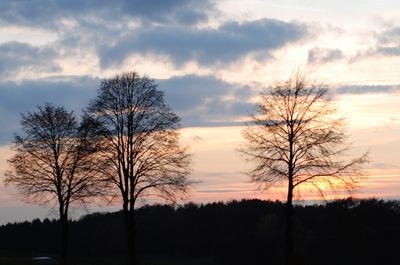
<point x="212" y="59"/>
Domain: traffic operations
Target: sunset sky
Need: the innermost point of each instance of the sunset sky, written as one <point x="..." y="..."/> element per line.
<point x="212" y="58"/>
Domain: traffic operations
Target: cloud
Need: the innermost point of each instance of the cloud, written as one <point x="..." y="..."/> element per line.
<point x="115" y="30"/>
<point x="186" y="92"/>
<point x="16" y="56"/>
<point x="387" y="45"/>
<point x="198" y="100"/>
<point x="381" y="51"/>
<point x="181" y="11"/>
<point x="206" y="100"/>
<point x="378" y="51"/>
<point x="387" y="51"/>
<point x="72" y="92"/>
<point x="383" y="165"/>
<point x="389" y="36"/>
<point x="48" y="14"/>
<point x="366" y="89"/>
<point x="318" y="55"/>
<point x="207" y="46"/>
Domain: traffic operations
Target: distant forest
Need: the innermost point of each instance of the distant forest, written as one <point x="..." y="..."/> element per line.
<point x="348" y="231"/>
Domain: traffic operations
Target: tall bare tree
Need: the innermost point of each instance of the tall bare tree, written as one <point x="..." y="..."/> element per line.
<point x="53" y="162"/>
<point x="296" y="137"/>
<point x="141" y="155"/>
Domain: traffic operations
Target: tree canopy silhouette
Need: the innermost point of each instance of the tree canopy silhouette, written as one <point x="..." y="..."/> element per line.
<point x="296" y="137"/>
<point x="348" y="231"/>
<point x="53" y="162"/>
<point x="141" y="155"/>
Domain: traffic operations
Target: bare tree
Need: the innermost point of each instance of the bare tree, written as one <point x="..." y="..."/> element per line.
<point x="295" y="137"/>
<point x="53" y="162"/>
<point x="141" y="155"/>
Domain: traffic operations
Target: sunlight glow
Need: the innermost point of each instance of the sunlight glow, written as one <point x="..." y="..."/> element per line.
<point x="370" y="110"/>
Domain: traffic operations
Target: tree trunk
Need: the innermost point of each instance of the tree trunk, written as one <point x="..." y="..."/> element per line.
<point x="129" y="220"/>
<point x="289" y="226"/>
<point x="64" y="240"/>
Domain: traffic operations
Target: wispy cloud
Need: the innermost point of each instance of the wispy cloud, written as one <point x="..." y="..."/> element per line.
<point x="318" y="55"/>
<point x="387" y="44"/>
<point x="367" y="89"/>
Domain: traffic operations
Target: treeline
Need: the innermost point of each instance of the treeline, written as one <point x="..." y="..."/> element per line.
<point x="346" y="231"/>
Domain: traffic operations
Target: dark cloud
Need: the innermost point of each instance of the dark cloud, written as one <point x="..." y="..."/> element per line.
<point x="166" y="28"/>
<point x="48" y="14"/>
<point x="181" y="11"/>
<point x="365" y="89"/>
<point x="15" y="98"/>
<point x="187" y="92"/>
<point x="81" y="26"/>
<point x="16" y="56"/>
<point x="228" y="43"/>
<point x="200" y="101"/>
<point x="206" y="100"/>
<point x="318" y="55"/>
<point x="225" y="44"/>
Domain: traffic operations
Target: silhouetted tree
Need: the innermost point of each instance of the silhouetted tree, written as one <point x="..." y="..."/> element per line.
<point x="53" y="162"/>
<point x="296" y="137"/>
<point x="141" y="155"/>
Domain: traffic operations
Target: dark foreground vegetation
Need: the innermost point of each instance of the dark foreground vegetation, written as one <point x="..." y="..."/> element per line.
<point x="240" y="232"/>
